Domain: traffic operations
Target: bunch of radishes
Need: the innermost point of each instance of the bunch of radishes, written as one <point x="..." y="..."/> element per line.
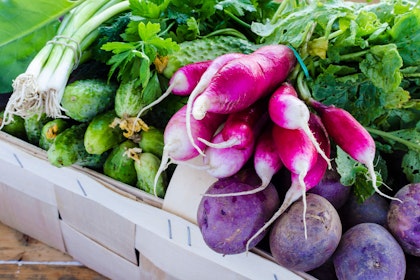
<point x="242" y="107"/>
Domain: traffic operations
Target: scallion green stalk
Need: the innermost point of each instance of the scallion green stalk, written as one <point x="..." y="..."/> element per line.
<point x="40" y="89"/>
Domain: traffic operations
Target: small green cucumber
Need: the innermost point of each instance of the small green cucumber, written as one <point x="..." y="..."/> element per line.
<point x="119" y="165"/>
<point x="206" y="49"/>
<point x="147" y="166"/>
<point x="50" y="131"/>
<point x="68" y="149"/>
<point x="93" y="161"/>
<point x="84" y="99"/>
<point x="101" y="135"/>
<point x="131" y="98"/>
<point x="16" y="127"/>
<point x="33" y="127"/>
<point x="151" y="141"/>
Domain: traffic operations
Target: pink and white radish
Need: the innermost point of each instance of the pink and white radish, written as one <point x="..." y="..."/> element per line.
<point x="316" y="173"/>
<point x="187" y="77"/>
<point x="237" y="131"/>
<point x="307" y="169"/>
<point x="177" y="147"/>
<point x="266" y="161"/>
<point x="243" y="81"/>
<point x="288" y="111"/>
<point x="182" y="82"/>
<point x="225" y="162"/>
<point x="350" y="136"/>
<point x="205" y="79"/>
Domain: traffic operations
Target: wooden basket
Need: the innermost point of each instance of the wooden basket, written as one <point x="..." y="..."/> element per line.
<point x="115" y="229"/>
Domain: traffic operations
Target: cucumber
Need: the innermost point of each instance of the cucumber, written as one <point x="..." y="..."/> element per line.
<point x="33" y="127"/>
<point x="101" y="135"/>
<point x="206" y="49"/>
<point x="151" y="141"/>
<point x="131" y="98"/>
<point x="147" y="165"/>
<point x="50" y="131"/>
<point x="119" y="165"/>
<point x="16" y="127"/>
<point x="68" y="149"/>
<point x="84" y="99"/>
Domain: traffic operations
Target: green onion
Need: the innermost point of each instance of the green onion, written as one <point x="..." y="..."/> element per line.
<point x="40" y="89"/>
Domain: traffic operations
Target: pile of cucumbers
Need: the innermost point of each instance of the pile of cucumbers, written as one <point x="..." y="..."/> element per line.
<point x="90" y="138"/>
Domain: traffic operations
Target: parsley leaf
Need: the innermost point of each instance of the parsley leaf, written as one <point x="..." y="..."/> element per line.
<point x="133" y="60"/>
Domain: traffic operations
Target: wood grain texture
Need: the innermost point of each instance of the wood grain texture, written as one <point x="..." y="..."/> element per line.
<point x="22" y="257"/>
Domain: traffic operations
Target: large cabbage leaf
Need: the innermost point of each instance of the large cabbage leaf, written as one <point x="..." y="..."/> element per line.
<point x="25" y="26"/>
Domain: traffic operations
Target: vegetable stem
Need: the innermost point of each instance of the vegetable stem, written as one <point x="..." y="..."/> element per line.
<point x="226" y="31"/>
<point x="303" y="89"/>
<point x="236" y="19"/>
<point x="354" y="55"/>
<point x="279" y="11"/>
<point x="390" y="136"/>
<point x="40" y="88"/>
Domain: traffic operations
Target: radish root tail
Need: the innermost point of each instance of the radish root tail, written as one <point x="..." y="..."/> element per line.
<point x="258" y="189"/>
<point x="302" y="186"/>
<point x="164" y="163"/>
<point x="222" y="145"/>
<point x="154" y="103"/>
<point x="372" y="174"/>
<point x="311" y="136"/>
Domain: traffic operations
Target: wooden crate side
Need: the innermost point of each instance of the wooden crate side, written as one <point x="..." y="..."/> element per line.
<point x="96" y="256"/>
<point x="98" y="222"/>
<point x="30" y="216"/>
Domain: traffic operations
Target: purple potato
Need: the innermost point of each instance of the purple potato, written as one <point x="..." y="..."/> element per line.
<point x="372" y="210"/>
<point x="404" y="218"/>
<point x="369" y="251"/>
<point x="331" y="189"/>
<point x="287" y="237"/>
<point x="227" y="223"/>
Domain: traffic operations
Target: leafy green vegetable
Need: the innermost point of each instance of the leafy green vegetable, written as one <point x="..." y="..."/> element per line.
<point x="25" y="27"/>
<point x="133" y="59"/>
<point x="363" y="57"/>
<point x="355" y="174"/>
<point x="156" y="28"/>
<point x="411" y="166"/>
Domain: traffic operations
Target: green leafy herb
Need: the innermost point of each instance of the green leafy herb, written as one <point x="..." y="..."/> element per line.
<point x="133" y="60"/>
<point x="157" y="27"/>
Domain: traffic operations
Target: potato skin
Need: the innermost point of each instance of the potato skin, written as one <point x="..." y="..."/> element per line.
<point x="287" y="239"/>
<point x="369" y="251"/>
<point x="331" y="188"/>
<point x="227" y="223"/>
<point x="404" y="218"/>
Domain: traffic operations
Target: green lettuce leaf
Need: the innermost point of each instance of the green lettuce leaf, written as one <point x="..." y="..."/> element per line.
<point x="356" y="175"/>
<point x="25" y="26"/>
<point x="411" y="166"/>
